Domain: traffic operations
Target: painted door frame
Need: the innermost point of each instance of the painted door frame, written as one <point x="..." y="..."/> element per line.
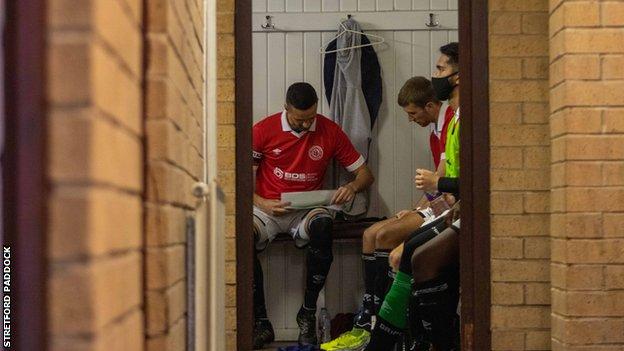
<point x="475" y="188"/>
<point x="24" y="167"/>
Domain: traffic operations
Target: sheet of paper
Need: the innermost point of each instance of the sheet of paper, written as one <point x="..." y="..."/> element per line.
<point x="309" y="199"/>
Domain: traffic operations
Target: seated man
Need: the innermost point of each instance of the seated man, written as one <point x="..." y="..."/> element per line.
<point x="429" y="252"/>
<point x="418" y="99"/>
<point x="292" y="150"/>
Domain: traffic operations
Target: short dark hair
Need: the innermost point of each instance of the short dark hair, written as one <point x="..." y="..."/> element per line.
<point x="451" y="50"/>
<point x="301" y="96"/>
<point x="417" y="91"/>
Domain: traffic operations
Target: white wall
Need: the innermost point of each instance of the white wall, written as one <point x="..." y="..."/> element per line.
<point x="291" y="54"/>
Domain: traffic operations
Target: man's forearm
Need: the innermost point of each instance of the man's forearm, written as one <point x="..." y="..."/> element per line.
<point x="363" y="179"/>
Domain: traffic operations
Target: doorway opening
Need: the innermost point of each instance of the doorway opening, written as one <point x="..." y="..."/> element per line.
<point x="474" y="240"/>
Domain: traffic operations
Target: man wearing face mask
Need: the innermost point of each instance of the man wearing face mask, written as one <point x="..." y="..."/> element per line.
<point x="418" y="99"/>
<point x="292" y="151"/>
<point x="446" y="84"/>
<point x="435" y="294"/>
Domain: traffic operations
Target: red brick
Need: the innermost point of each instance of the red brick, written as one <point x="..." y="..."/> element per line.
<point x="165" y="266"/>
<point x="537" y="247"/>
<point x="506" y="203"/>
<point x="507" y="340"/>
<point x="69" y="14"/>
<point x="90" y="222"/>
<point x="520" y="271"/>
<point x="519" y="91"/>
<point x="613" y="67"/>
<point x="576" y="225"/>
<point x="518" y="5"/>
<point x="511" y="45"/>
<point x="505" y="23"/>
<point x="506" y="158"/>
<point x="589" y="334"/>
<point x="576" y="120"/>
<point x="614" y="277"/>
<point x="614" y="121"/>
<point x="535" y="23"/>
<point x="519" y="225"/>
<point x="77" y="136"/>
<point x="612" y="13"/>
<point x="538" y="340"/>
<point x="535" y="112"/>
<point x="68" y="70"/>
<point x="613" y="224"/>
<point x="576" y="277"/>
<point x="591" y="147"/>
<point x="590" y="303"/>
<point x="519" y="135"/>
<point x="520" y="317"/>
<point x="506" y="248"/>
<point x="86" y="297"/>
<point x="506" y="68"/>
<point x="537" y="293"/>
<point x="507" y="294"/>
<point x="537" y="202"/>
<point x="527" y="180"/>
<point x="165" y="225"/>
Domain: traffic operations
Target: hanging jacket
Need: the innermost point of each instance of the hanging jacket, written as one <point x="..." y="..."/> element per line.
<point x="347" y="102"/>
<point x="371" y="77"/>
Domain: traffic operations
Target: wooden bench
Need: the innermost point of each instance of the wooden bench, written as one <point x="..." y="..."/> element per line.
<point x="342" y="230"/>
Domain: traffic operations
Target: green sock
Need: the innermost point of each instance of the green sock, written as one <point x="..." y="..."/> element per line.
<point x="394" y="307"/>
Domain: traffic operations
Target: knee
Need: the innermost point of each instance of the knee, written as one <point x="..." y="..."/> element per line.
<point x="369" y="236"/>
<point x="321" y="232"/>
<point x="383" y="239"/>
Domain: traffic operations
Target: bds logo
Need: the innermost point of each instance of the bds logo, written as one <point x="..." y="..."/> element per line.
<point x="278" y="173"/>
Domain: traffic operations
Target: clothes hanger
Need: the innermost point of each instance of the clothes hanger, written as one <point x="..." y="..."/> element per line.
<point x="346" y="30"/>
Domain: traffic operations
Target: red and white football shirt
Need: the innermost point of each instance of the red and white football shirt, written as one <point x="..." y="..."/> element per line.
<point x="437" y="138"/>
<point x="289" y="161"/>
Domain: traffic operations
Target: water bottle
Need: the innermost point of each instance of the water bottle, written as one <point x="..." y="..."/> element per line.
<point x="324" y="326"/>
<point x="437" y="202"/>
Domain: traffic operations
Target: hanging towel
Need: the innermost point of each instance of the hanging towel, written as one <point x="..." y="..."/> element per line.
<point x="348" y="104"/>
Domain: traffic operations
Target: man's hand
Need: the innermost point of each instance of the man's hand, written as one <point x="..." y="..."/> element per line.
<point x="395" y="257"/>
<point x="403" y="213"/>
<point x="426" y="180"/>
<point x="344" y="194"/>
<point x="272" y="207"/>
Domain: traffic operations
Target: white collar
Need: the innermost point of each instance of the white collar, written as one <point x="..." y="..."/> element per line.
<point x="286" y="126"/>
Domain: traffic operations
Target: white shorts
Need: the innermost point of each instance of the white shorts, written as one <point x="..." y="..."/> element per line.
<point x="295" y="224"/>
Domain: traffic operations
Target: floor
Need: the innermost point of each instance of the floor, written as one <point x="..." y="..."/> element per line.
<point x="275" y="345"/>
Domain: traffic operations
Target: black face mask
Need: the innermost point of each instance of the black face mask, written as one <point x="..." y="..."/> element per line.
<point x="443" y="87"/>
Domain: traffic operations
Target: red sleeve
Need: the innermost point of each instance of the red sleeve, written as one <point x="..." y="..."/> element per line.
<point x="346" y="153"/>
<point x="257" y="143"/>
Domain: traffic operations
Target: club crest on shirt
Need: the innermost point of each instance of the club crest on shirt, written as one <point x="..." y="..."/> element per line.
<point x="315" y="153"/>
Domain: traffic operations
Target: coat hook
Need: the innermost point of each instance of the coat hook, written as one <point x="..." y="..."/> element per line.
<point x="432" y="21"/>
<point x="268" y="24"/>
<point x="349" y="16"/>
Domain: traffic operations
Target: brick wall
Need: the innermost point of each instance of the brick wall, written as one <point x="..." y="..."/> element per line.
<point x="94" y="73"/>
<point x="226" y="158"/>
<point x="520" y="165"/>
<point x="174" y="131"/>
<point x="587" y="131"/>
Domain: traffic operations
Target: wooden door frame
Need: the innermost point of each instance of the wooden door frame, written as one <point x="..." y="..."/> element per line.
<point x="475" y="187"/>
<point x="24" y="166"/>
